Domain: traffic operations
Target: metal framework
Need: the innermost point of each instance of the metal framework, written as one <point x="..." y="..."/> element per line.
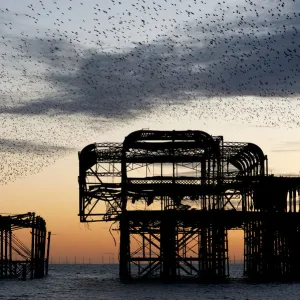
<point x="18" y="260"/>
<point x="177" y="193"/>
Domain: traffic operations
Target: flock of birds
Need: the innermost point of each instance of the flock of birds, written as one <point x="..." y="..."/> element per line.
<point x="70" y="70"/>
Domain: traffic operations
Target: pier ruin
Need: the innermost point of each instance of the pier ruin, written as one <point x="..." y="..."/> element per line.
<point x="19" y="259"/>
<point x="176" y="194"/>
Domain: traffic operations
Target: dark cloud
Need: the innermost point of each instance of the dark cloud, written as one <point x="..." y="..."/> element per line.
<point x="246" y="58"/>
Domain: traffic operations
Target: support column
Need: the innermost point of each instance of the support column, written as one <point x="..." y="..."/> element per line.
<point x="6" y="252"/>
<point x="10" y="251"/>
<point x="124" y="270"/>
<point x="32" y="250"/>
<point x="168" y="248"/>
<point x="2" y="256"/>
<point x="48" y="252"/>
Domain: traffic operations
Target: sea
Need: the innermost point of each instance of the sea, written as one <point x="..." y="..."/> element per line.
<point x="91" y="281"/>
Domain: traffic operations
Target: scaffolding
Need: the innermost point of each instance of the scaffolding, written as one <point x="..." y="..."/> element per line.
<point x="176" y="194"/>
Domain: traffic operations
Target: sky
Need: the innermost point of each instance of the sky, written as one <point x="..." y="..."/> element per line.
<point x="78" y="72"/>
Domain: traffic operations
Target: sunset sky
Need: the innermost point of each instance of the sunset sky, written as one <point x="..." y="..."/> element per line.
<point x="78" y="72"/>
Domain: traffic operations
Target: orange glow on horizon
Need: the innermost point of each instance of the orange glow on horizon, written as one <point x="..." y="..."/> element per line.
<point x="53" y="194"/>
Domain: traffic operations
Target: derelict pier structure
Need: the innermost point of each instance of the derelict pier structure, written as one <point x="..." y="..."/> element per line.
<point x="176" y="194"/>
<point x="19" y="260"/>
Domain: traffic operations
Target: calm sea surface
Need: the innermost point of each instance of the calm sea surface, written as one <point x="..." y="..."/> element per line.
<point x="101" y="282"/>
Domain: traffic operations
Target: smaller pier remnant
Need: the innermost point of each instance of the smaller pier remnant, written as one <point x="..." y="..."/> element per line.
<point x="17" y="259"/>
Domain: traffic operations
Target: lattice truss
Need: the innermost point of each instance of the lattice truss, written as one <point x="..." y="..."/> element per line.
<point x="194" y="251"/>
<point x="167" y="170"/>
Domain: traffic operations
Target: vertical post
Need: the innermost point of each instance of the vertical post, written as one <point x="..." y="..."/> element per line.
<point x="291" y="199"/>
<point x="203" y="251"/>
<point x="80" y="181"/>
<point x="10" y="251"/>
<point x="48" y="253"/>
<point x="36" y="249"/>
<point x="44" y="249"/>
<point x="32" y="248"/>
<point x="214" y="241"/>
<point x="168" y="247"/>
<point x="294" y="200"/>
<point x="5" y="250"/>
<point x="162" y="204"/>
<point x="1" y="232"/>
<point x="203" y="179"/>
<point x="246" y="227"/>
<point x="124" y="270"/>
<point x="298" y="192"/>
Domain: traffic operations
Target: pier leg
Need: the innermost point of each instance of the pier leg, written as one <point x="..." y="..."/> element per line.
<point x="168" y="248"/>
<point x="124" y="270"/>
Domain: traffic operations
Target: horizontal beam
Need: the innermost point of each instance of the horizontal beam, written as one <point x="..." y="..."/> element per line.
<point x="226" y="218"/>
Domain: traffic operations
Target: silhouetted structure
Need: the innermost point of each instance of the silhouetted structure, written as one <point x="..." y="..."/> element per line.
<point x="177" y="193"/>
<point x="18" y="260"/>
